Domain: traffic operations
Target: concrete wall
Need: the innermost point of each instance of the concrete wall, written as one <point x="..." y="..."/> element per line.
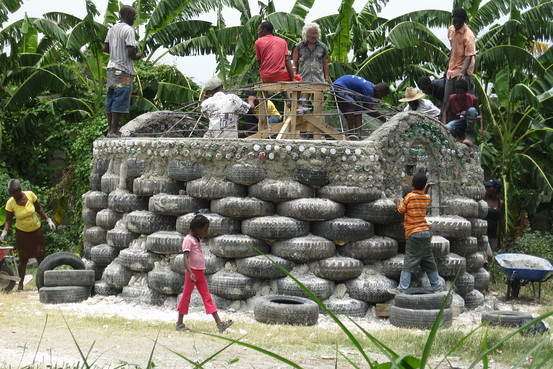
<point x="322" y="209"/>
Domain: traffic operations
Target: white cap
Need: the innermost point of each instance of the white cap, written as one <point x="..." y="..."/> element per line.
<point x="212" y="84"/>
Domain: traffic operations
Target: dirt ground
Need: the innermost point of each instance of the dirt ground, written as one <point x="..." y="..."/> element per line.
<point x="116" y="333"/>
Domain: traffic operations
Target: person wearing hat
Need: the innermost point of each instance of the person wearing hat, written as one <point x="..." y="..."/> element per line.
<point x="495" y="219"/>
<point x="222" y="110"/>
<point x="415" y="102"/>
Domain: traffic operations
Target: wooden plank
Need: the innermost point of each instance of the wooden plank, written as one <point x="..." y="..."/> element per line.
<point x="284" y="129"/>
<point x="303" y="87"/>
<point x="323" y="127"/>
<point x="382" y="310"/>
<point x="262" y="123"/>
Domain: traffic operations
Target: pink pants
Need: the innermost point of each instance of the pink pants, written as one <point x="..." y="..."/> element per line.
<point x="203" y="289"/>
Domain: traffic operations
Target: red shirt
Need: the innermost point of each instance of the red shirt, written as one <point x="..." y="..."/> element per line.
<point x="196" y="257"/>
<point x="457" y="107"/>
<point x="271" y="52"/>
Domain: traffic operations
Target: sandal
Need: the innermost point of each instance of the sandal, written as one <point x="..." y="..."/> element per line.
<point x="181" y="328"/>
<point x="224" y="325"/>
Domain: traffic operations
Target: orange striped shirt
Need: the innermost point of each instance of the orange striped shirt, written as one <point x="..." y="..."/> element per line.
<point x="414" y="207"/>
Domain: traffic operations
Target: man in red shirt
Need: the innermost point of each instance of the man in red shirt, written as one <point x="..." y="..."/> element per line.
<point x="273" y="57"/>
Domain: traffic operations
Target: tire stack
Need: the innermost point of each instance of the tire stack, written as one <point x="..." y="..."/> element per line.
<point x="464" y="227"/>
<point x="342" y="242"/>
<point x="63" y="285"/>
<point x="420" y="308"/>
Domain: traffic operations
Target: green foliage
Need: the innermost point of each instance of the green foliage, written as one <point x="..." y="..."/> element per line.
<point x="534" y="243"/>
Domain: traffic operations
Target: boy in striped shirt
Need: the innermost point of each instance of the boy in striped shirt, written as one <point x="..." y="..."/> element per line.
<point x="418" y="250"/>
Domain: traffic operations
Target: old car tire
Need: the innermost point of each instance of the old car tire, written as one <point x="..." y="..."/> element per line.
<point x="463" y="207"/>
<point x="95" y="235"/>
<point x="478" y="227"/>
<point x="381" y="211"/>
<point x="146" y="222"/>
<point x="63" y="294"/>
<point x="242" y="207"/>
<point x="321" y="288"/>
<point x="311" y="209"/>
<point x="184" y="171"/>
<point x="274" y="227"/>
<point x="311" y="176"/>
<point x="421" y="319"/>
<point x="347" y="306"/>
<point x="338" y="268"/>
<point x="395" y="231"/>
<point x="149" y="186"/>
<point x="451" y="265"/>
<point x="73" y="277"/>
<point x="142" y="295"/>
<point x="137" y="260"/>
<point x="463" y="246"/>
<point x="211" y="189"/>
<point x="464" y="284"/>
<point x="107" y="218"/>
<point x="304" y="249"/>
<point x="449" y="226"/>
<point x="474" y="299"/>
<point x="343" y="230"/>
<point x="245" y="174"/>
<point x="89" y="216"/>
<point x="349" y="194"/>
<point x="262" y="268"/>
<point x="95" y="200"/>
<point x="277" y="191"/>
<point x="120" y="237"/>
<point x="53" y="261"/>
<point x="422" y="300"/>
<point x="165" y="242"/>
<point x="481" y="279"/>
<point x="103" y="289"/>
<point x="286" y="310"/>
<point x="136" y="168"/>
<point x="235" y="246"/>
<point x="371" y="288"/>
<point x="103" y="254"/>
<point x="232" y="285"/>
<point x="218" y="224"/>
<point x="440" y="246"/>
<point x="505" y="318"/>
<point x="116" y="275"/>
<point x="165" y="281"/>
<point x="97" y="269"/>
<point x="125" y="202"/>
<point x="474" y="262"/>
<point x="175" y="205"/>
<point x="370" y="249"/>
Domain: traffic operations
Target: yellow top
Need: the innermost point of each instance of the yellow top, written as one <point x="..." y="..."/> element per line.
<point x="271" y="109"/>
<point x="26" y="219"/>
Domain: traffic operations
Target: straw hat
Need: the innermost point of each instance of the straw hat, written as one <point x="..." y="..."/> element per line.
<point x="411" y="95"/>
<point x="212" y="84"/>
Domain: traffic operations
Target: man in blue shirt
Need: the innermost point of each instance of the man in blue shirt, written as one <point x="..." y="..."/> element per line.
<point x="355" y="97"/>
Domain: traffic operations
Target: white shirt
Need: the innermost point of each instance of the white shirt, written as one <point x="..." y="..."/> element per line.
<point x="425" y="106"/>
<point x="119" y="36"/>
<point x="223" y="111"/>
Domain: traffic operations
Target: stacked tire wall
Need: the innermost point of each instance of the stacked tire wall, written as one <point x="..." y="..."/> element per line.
<point x="322" y="210"/>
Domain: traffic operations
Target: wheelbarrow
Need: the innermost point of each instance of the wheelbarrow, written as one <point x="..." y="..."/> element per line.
<point x="8" y="269"/>
<point x="522" y="269"/>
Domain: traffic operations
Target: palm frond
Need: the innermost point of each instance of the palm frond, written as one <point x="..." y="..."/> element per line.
<point x="177" y="32"/>
<point x="301" y="8"/>
<point x="289" y="23"/>
<point x="514" y="57"/>
<point x="111" y="15"/>
<point x="164" y="13"/>
<point x="204" y="45"/>
<point x="341" y="39"/>
<point x="410" y="34"/>
<point x="64" y="21"/>
<point x="7" y="7"/>
<point x="521" y="92"/>
<point x="172" y="93"/>
<point x="51" y="29"/>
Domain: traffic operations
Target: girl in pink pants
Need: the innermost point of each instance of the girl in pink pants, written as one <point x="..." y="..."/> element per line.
<point x="194" y="263"/>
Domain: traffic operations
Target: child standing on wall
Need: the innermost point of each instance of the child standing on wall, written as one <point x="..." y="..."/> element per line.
<point x="194" y="263"/>
<point x="418" y="250"/>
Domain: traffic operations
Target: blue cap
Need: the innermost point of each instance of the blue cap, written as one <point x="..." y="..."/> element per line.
<point x="493" y="183"/>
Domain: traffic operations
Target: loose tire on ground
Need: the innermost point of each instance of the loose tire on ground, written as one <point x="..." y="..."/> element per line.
<point x="286" y="310"/>
<point x="421" y="319"/>
<point x="63" y="294"/>
<point x="53" y="261"/>
<point x="5" y="284"/>
<point x="505" y="318"/>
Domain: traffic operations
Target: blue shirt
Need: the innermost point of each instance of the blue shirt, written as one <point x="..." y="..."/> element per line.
<point x="356" y="84"/>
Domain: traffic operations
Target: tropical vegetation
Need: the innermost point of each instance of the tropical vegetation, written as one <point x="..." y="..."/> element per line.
<point x="53" y="71"/>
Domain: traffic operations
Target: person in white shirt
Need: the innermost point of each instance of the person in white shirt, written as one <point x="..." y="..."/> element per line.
<point x="415" y="102"/>
<point x="223" y="110"/>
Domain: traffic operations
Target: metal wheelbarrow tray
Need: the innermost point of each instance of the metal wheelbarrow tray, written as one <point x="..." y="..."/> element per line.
<point x="522" y="269"/>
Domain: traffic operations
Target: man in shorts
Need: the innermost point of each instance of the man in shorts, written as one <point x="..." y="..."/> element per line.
<point x="120" y="43"/>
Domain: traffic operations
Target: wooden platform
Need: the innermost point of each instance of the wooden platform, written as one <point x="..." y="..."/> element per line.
<point x="294" y="125"/>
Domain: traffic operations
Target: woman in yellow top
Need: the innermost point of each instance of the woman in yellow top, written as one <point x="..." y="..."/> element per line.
<point x="29" y="238"/>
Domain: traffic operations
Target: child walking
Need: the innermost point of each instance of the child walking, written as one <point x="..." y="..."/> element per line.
<point x="194" y="263"/>
<point x="418" y="249"/>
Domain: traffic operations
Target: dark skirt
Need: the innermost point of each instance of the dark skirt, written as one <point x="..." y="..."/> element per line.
<point x="30" y="244"/>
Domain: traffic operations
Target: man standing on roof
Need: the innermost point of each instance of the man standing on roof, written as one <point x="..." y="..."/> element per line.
<point x="355" y="97"/>
<point x="462" y="55"/>
<point x="223" y="110"/>
<point x="120" y="43"/>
